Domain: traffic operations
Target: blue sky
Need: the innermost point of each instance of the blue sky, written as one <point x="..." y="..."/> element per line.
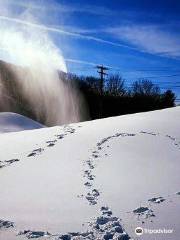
<point x="136" y="38"/>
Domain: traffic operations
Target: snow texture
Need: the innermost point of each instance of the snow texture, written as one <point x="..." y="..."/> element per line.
<point x="92" y="180"/>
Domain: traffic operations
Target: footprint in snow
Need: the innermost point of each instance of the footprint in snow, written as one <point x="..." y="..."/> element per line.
<point x="8" y="162"/>
<point x="88" y="175"/>
<point x="144" y="212"/>
<point x="60" y="136"/>
<point x="88" y="184"/>
<point x="95" y="152"/>
<point x="1" y="164"/>
<point x="35" y="152"/>
<point x="6" y="224"/>
<point x="51" y="141"/>
<point x="92" y="196"/>
<point x="12" y="161"/>
<point x="34" y="234"/>
<point x="90" y="165"/>
<point x="51" y="145"/>
<point x="170" y="137"/>
<point x="106" y="211"/>
<point x="149" y="133"/>
<point x="69" y="129"/>
<point x="157" y="200"/>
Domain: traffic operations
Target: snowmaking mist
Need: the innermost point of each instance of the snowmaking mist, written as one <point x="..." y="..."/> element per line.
<point x="38" y="78"/>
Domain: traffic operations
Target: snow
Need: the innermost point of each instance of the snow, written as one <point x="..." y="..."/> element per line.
<point x="13" y="122"/>
<point x="93" y="180"/>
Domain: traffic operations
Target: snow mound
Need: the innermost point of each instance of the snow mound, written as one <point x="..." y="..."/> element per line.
<point x="13" y="122"/>
<point x="96" y="180"/>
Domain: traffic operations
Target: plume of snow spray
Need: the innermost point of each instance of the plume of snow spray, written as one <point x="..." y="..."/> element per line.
<point x="41" y="85"/>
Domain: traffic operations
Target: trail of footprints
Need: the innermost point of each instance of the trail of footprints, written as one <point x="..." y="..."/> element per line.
<point x="51" y="143"/>
<point x="174" y="140"/>
<point x="35" y="152"/>
<point x="105" y="226"/>
<point x="93" y="193"/>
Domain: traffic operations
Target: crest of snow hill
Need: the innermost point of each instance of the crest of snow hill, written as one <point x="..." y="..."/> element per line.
<point x="13" y="122"/>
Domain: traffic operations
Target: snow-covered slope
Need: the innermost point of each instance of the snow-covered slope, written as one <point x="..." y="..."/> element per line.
<point x="13" y="122"/>
<point x="93" y="180"/>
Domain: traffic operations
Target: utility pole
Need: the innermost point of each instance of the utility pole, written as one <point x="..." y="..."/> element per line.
<point x="101" y="71"/>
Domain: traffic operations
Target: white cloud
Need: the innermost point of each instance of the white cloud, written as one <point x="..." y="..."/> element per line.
<point x="62" y="8"/>
<point x="151" y="39"/>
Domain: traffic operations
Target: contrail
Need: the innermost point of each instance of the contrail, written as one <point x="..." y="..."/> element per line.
<point x="88" y="63"/>
<point x="80" y="62"/>
<point x="60" y="31"/>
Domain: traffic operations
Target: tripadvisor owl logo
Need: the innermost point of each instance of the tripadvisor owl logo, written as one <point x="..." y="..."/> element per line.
<point x="139" y="231"/>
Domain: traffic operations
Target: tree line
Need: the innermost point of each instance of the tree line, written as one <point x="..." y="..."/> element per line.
<point x="115" y="98"/>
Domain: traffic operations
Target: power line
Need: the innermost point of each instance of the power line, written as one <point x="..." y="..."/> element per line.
<point x="82" y="62"/>
<point x="162" y="84"/>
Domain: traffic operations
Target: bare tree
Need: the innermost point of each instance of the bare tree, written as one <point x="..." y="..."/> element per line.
<point x="115" y="85"/>
<point x="145" y="87"/>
